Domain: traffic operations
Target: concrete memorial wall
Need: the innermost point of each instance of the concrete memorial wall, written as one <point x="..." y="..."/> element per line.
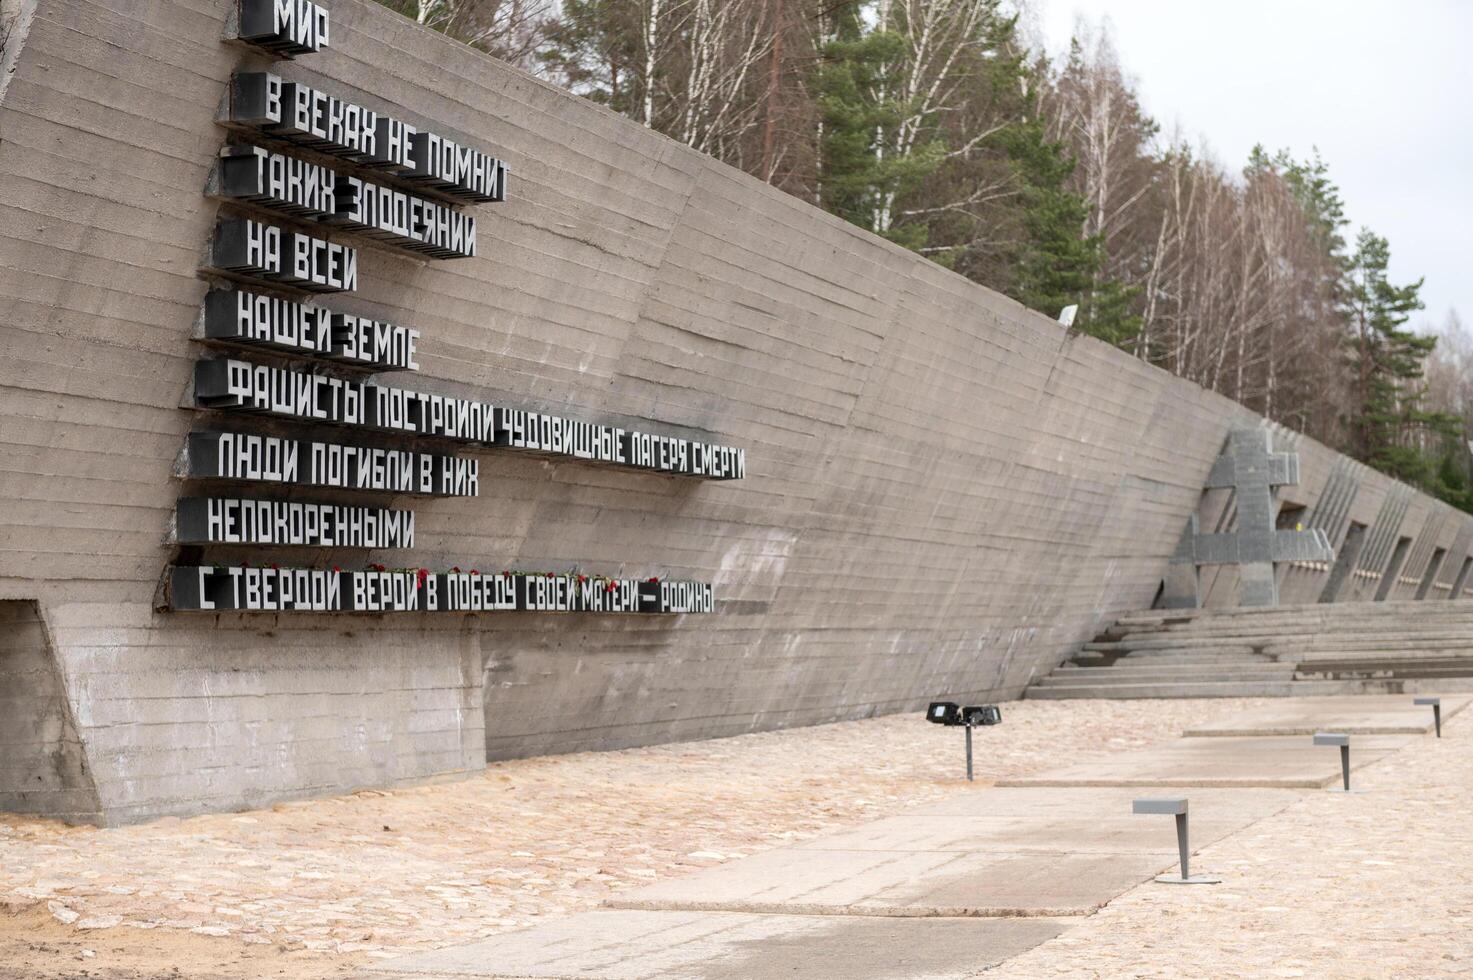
<point x="370" y="409"/>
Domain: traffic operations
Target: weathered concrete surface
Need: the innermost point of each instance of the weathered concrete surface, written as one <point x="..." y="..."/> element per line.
<point x="1083" y="821"/>
<point x="917" y="883"/>
<point x="947" y="492"/>
<point x="1367" y="715"/>
<point x="43" y="767"/>
<point x="633" y="945"/>
<point x="1002" y="852"/>
<point x="1287" y="762"/>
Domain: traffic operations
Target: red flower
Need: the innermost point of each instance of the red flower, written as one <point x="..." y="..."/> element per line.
<point x="456" y="569"/>
<point x="654" y="581"/>
<point x="378" y="568"/>
<point x="336" y="569"/>
<point x="610" y="587"/>
<point x="550" y="575"/>
<point x="275" y="567"/>
<point x="474" y="572"/>
<point x="582" y="579"/>
<point x="423" y="574"/>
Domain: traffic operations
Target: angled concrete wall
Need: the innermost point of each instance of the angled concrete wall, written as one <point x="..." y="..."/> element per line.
<point x="43" y="766"/>
<point x="946" y="493"/>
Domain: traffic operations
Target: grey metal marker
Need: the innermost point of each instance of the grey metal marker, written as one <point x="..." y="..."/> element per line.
<point x="1343" y="741"/>
<point x="1436" y="711"/>
<point x="1177" y="807"/>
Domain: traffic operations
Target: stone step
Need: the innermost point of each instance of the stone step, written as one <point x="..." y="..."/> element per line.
<point x="1376" y="627"/>
<point x="1109" y="679"/>
<point x="1155" y="666"/>
<point x="1417" y="620"/>
<point x="1185" y="655"/>
<point x="1317" y="656"/>
<point x="1169" y="689"/>
<point x="1428" y="631"/>
<point x="1338" y="610"/>
<point x="1359" y="648"/>
<point x="1352" y="638"/>
<point x="1258" y="689"/>
<point x="1405" y="669"/>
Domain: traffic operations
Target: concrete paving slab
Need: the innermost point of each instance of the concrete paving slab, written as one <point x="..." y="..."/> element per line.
<point x="1284" y="762"/>
<point x="1357" y="715"/>
<point x="634" y="945"/>
<point x="907" y="883"/>
<point x="1082" y="821"/>
<point x="999" y="852"/>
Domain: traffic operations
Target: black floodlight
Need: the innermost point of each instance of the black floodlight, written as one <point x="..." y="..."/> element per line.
<point x="970" y="717"/>
<point x="944" y="713"/>
<point x="985" y="714"/>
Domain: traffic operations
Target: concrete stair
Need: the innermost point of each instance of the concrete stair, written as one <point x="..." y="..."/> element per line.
<point x="1347" y="648"/>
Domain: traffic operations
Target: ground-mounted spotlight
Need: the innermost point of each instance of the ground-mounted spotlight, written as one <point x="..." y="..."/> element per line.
<point x="969" y="717"/>
<point x="944" y="713"/>
<point x="986" y="714"/>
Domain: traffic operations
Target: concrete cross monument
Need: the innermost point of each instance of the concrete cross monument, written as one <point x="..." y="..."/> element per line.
<point x="1251" y="469"/>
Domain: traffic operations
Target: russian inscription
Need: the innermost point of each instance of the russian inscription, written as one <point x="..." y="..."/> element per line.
<point x="289" y="117"/>
<point x="230" y="520"/>
<point x="264" y="103"/>
<point x="250" y="589"/>
<point x="251" y="458"/>
<point x="228" y="384"/>
<point x="268" y="322"/>
<point x="284" y="27"/>
<point x="246" y="247"/>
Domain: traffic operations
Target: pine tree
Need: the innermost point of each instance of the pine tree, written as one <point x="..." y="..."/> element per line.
<point x="983" y="190"/>
<point x="1055" y="263"/>
<point x="1389" y="423"/>
<point x="594" y="48"/>
<point x="858" y="66"/>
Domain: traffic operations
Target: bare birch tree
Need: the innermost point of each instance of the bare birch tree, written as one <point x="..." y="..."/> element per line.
<point x="938" y="36"/>
<point x="507" y="29"/>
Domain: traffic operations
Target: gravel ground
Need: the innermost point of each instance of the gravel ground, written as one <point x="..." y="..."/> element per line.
<point x="1371" y="885"/>
<point x="299" y="888"/>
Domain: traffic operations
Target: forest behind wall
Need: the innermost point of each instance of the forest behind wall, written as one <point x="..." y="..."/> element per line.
<point x="940" y="125"/>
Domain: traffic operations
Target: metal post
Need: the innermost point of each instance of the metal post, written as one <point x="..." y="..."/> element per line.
<point x="1176" y="806"/>
<point x="969" y="753"/>
<point x="1343" y="741"/>
<point x="1181" y="844"/>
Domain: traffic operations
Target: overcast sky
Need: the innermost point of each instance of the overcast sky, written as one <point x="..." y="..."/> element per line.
<point x="1384" y="89"/>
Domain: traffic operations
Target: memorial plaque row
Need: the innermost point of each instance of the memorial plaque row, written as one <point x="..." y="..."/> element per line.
<point x="284" y="27"/>
<point x="252" y="589"/>
<point x="287" y="117"/>
<point x="290" y="523"/>
<point x="227" y="384"/>
<point x="245" y="247"/>
<point x="261" y="102"/>
<point x="311" y="192"/>
<point x="270" y="323"/>
<point x="252" y="458"/>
